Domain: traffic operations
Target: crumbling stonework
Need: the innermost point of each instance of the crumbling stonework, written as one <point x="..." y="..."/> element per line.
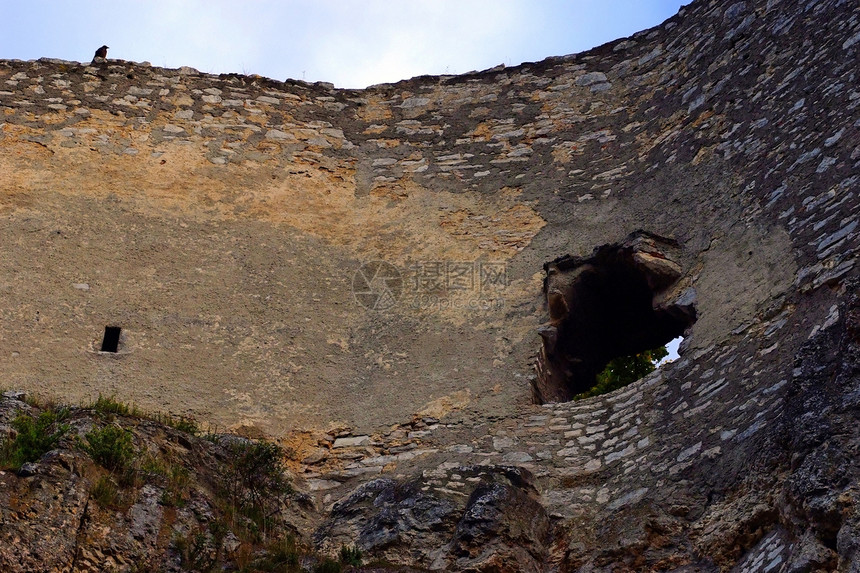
<point x="623" y="299"/>
<point x="220" y="221"/>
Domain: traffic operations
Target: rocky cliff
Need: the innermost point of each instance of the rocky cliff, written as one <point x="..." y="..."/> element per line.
<point x="360" y="275"/>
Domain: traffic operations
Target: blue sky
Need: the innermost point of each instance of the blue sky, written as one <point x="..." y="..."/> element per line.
<point x="352" y="43"/>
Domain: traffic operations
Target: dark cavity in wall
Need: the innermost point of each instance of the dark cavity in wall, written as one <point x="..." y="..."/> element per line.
<point x="110" y="342"/>
<point x="623" y="299"/>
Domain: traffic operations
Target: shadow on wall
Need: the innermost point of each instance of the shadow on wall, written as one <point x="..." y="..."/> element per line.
<point x="624" y="299"/>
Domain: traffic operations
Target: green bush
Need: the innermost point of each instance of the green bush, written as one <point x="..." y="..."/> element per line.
<point x="625" y="370"/>
<point x="255" y="484"/>
<point x="350" y="555"/>
<point x="36" y="436"/>
<point x="110" y="446"/>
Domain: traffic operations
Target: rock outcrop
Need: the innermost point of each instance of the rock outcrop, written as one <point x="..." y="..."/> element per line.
<point x="357" y="274"/>
<point x="493" y="521"/>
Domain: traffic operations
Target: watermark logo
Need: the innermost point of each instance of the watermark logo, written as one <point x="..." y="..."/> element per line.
<point x="377" y="285"/>
<point x="434" y="285"/>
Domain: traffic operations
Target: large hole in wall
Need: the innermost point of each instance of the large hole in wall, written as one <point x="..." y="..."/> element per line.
<point x="621" y="300"/>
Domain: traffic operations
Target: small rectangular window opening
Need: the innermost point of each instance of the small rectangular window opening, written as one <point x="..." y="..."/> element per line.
<point x="110" y="343"/>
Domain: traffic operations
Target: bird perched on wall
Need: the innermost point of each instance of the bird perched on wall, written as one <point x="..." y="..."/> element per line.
<point x="101" y="53"/>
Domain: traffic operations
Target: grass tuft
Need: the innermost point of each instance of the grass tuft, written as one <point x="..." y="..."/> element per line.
<point x="280" y="555"/>
<point x="106" y="492"/>
<point x="350" y="555"/>
<point x="328" y="565"/>
<point x="109" y="406"/>
<point x="182" y="423"/>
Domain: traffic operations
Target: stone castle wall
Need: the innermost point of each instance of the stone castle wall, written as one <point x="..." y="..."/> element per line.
<point x="221" y="220"/>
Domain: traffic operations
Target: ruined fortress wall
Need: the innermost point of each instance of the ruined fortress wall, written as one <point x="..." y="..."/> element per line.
<point x="221" y="219"/>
